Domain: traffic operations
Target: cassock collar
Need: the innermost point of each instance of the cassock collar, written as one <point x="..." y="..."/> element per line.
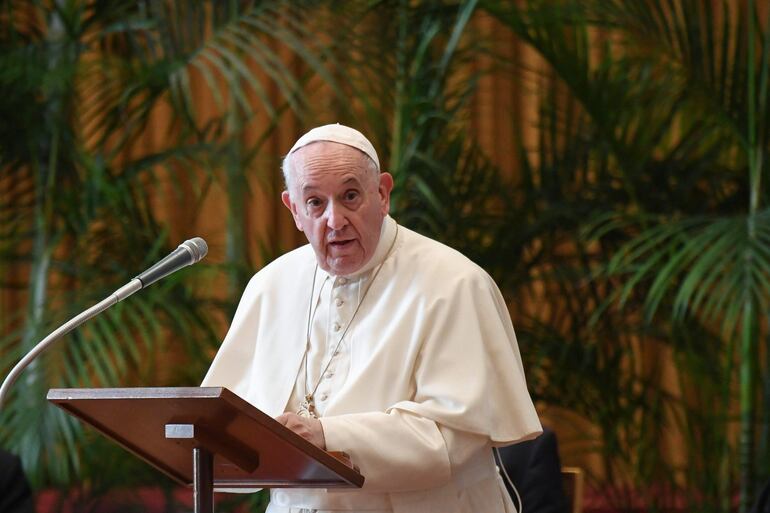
<point x="387" y="234"/>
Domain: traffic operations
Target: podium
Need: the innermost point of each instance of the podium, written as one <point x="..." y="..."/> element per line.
<point x="208" y="438"/>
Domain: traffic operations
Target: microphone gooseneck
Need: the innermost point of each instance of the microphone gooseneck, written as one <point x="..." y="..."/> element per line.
<point x="189" y="252"/>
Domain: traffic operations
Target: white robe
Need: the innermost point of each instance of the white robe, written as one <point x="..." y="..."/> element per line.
<point x="434" y="379"/>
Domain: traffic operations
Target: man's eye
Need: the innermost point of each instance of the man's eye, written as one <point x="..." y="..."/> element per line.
<point x="351" y="195"/>
<point x="313" y="203"/>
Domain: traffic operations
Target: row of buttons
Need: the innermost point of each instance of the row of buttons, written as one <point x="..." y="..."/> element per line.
<point x="336" y="327"/>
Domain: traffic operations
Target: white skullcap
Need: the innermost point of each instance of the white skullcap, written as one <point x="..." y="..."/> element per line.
<point x="339" y="134"/>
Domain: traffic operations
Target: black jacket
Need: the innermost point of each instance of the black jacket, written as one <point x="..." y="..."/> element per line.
<point x="535" y="469"/>
<point x="763" y="501"/>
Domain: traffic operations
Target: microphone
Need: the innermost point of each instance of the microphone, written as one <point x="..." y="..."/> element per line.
<point x="188" y="253"/>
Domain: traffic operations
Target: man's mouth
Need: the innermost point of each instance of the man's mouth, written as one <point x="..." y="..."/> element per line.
<point x="340" y="243"/>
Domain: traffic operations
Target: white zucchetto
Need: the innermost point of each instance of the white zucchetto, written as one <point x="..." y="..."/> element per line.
<point x="339" y="134"/>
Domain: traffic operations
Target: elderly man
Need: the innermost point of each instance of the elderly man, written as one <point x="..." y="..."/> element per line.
<point x="379" y="342"/>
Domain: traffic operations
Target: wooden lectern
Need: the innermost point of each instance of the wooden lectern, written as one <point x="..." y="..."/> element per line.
<point x="207" y="438"/>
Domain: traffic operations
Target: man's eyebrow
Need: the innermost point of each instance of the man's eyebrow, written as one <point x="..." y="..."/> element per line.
<point x="308" y="187"/>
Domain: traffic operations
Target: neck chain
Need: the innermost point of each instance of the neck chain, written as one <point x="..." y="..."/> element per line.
<point x="307" y="407"/>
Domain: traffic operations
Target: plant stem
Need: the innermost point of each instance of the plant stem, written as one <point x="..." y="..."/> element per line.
<point x="746" y="456"/>
<point x="235" y="244"/>
<point x="748" y="345"/>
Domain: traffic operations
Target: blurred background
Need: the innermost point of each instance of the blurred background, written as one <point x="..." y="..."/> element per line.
<point x="603" y="160"/>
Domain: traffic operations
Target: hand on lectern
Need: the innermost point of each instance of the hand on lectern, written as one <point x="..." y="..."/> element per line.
<point x="308" y="428"/>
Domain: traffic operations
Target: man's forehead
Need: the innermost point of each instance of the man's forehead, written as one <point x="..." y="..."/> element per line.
<point x="329" y="158"/>
<point x="313" y="182"/>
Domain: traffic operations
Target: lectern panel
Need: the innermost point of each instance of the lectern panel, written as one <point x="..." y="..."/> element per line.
<point x="262" y="452"/>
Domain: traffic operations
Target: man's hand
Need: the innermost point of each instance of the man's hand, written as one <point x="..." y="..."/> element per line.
<point x="307" y="427"/>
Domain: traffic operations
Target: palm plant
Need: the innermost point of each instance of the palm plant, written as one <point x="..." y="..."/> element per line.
<point x="82" y="82"/>
<point x="413" y="71"/>
<point x="716" y="265"/>
<point x="653" y="129"/>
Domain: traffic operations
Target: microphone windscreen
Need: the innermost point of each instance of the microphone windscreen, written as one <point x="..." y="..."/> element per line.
<point x="197" y="247"/>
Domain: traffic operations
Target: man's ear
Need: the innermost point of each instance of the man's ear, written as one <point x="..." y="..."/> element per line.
<point x="385" y="187"/>
<point x="288" y="203"/>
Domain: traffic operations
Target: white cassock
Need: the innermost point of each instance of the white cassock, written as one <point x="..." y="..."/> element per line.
<point x="427" y="378"/>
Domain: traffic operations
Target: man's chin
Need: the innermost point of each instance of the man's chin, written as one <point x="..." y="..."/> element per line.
<point x="344" y="265"/>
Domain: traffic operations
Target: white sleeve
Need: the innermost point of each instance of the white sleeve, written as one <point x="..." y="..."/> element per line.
<point x="470" y="393"/>
<point x="400" y="451"/>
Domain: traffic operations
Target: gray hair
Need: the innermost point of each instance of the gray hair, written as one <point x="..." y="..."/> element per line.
<point x="287" y="168"/>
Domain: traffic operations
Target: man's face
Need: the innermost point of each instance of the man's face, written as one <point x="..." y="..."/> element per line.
<point x="339" y="203"/>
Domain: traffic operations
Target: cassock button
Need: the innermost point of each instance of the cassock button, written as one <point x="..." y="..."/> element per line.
<point x="328" y="375"/>
<point x="336" y="326"/>
<point x="324" y="397"/>
<point x="338" y="301"/>
<point x="343" y="281"/>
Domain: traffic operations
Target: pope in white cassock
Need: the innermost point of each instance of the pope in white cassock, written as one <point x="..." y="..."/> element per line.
<point x="379" y="342"/>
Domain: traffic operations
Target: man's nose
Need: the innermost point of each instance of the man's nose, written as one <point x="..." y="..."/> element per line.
<point x="336" y="217"/>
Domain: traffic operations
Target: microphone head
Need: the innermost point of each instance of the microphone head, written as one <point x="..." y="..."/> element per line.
<point x="197" y="248"/>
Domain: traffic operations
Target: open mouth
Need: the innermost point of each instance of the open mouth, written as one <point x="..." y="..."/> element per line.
<point x="340" y="243"/>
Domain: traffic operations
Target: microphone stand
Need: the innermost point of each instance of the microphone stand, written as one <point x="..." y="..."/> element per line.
<point x="120" y="294"/>
<point x="188" y="252"/>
